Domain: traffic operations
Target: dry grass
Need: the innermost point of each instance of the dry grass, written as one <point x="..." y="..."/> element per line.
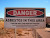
<point x="1" y="24"/>
<point x="5" y="33"/>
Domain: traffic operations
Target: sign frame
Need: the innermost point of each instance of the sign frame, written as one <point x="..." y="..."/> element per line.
<point x="25" y="8"/>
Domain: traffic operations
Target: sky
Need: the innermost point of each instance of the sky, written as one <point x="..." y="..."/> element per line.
<point x="24" y="3"/>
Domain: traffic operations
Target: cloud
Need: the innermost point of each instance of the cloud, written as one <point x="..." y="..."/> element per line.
<point x="48" y="14"/>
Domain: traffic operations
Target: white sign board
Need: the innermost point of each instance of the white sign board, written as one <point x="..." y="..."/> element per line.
<point x="25" y="18"/>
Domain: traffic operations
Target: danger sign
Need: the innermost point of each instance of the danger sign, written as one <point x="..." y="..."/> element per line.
<point x="25" y="12"/>
<point x="25" y="18"/>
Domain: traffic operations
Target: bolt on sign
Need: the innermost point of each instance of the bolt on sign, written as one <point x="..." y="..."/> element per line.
<point x="25" y="18"/>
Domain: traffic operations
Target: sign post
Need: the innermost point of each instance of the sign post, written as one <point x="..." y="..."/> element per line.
<point x="15" y="33"/>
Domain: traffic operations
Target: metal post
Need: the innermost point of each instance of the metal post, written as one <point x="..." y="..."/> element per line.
<point x="15" y="33"/>
<point x="35" y="33"/>
<point x="34" y="30"/>
<point x="28" y="32"/>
